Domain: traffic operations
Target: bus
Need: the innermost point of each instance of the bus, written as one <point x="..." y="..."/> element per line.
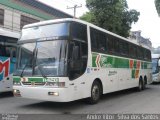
<point x="8" y="41"/>
<point x="155" y="68"/>
<point x="68" y="59"/>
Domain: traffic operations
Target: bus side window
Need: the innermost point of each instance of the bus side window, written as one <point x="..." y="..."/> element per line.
<point x="8" y="51"/>
<point x="148" y="55"/>
<point x="121" y="47"/>
<point x="111" y="44"/>
<point x="2" y="50"/>
<point x="139" y="52"/>
<point x="94" y="42"/>
<point x="102" y="41"/>
<point x="98" y="40"/>
<point x="145" y="54"/>
<point x="116" y="46"/>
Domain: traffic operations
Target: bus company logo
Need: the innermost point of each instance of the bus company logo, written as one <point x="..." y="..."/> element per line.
<point x="98" y="58"/>
<point x="4" y="68"/>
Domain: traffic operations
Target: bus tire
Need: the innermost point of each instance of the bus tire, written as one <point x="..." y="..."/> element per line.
<point x="140" y="85"/>
<point x="144" y="82"/>
<point x="95" y="93"/>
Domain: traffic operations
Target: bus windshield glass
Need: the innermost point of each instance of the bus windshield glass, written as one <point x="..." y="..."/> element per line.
<point x="154" y="65"/>
<point x="45" y="58"/>
<point x="53" y="30"/>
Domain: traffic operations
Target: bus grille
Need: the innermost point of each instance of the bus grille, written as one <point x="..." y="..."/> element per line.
<point x="34" y="83"/>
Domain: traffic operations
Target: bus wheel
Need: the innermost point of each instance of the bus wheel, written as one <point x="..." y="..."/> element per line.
<point x="144" y="82"/>
<point x="95" y="93"/>
<point x="140" y="86"/>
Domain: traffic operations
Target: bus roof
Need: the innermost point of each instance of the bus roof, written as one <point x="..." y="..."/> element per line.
<point x="155" y="55"/>
<point x="83" y="22"/>
<point x="8" y="33"/>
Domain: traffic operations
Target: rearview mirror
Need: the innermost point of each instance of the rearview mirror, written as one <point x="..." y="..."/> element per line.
<point x="75" y="53"/>
<point x="13" y="58"/>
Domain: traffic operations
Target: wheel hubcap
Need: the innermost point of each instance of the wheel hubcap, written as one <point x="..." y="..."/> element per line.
<point x="95" y="92"/>
<point x="140" y="85"/>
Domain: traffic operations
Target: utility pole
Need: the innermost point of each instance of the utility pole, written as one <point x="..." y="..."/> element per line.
<point x="74" y="7"/>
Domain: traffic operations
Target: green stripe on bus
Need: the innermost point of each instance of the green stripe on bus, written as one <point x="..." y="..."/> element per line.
<point x="133" y="73"/>
<point x="116" y="62"/>
<point x="35" y="80"/>
<point x="16" y="79"/>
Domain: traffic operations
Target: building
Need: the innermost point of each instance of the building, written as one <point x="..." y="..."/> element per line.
<point x="136" y="36"/>
<point x="14" y="14"/>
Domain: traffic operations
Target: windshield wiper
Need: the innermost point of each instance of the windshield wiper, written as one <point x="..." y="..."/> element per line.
<point x="34" y="65"/>
<point x="27" y="63"/>
<point x="24" y="68"/>
<point x="41" y="71"/>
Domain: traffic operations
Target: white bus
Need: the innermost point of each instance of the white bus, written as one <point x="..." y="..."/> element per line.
<point x="156" y="67"/>
<point x="68" y="59"/>
<point x="8" y="41"/>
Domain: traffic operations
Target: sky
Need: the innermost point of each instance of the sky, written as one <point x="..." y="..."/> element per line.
<point x="148" y="23"/>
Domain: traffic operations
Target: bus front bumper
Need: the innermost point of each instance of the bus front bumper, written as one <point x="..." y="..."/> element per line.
<point x="46" y="94"/>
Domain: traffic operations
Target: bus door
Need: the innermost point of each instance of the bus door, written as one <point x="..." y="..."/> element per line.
<point x="77" y="67"/>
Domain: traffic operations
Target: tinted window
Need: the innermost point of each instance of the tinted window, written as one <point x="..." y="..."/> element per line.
<point x="145" y="54"/>
<point x="98" y="40"/>
<point x="149" y="55"/>
<point x="78" y="54"/>
<point x="113" y="45"/>
<point x="140" y="52"/>
<point x="132" y="51"/>
<point x="94" y="42"/>
<point x="79" y="31"/>
<point x="27" y="20"/>
<point x="53" y="31"/>
<point x="1" y="16"/>
<point x="8" y="46"/>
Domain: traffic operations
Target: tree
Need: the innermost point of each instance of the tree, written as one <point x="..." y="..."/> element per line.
<point x="112" y="15"/>
<point x="157" y="4"/>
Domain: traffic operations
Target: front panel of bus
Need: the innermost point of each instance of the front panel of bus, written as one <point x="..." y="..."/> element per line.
<point x="155" y="70"/>
<point x="50" y="58"/>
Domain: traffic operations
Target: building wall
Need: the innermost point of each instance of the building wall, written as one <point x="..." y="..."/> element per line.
<point x="32" y="10"/>
<point x="12" y="18"/>
<point x="136" y="36"/>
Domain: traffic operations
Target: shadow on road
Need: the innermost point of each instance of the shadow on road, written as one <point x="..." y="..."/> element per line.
<point x="62" y="108"/>
<point x="67" y="108"/>
<point x="156" y="83"/>
<point x="122" y="93"/>
<point x="6" y="94"/>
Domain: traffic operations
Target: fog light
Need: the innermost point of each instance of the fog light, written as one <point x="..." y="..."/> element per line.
<point x="53" y="93"/>
<point x="16" y="93"/>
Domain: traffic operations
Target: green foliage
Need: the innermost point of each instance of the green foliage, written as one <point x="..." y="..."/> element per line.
<point x="112" y="15"/>
<point x="157" y="4"/>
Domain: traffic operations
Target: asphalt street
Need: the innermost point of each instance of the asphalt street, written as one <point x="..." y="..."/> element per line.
<point x="123" y="102"/>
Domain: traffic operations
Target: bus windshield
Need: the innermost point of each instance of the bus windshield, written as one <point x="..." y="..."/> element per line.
<point x="53" y="30"/>
<point x="42" y="58"/>
<point x="55" y="50"/>
<point x="155" y="66"/>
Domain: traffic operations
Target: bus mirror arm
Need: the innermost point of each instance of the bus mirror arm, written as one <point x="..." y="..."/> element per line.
<point x="12" y="59"/>
<point x="159" y="62"/>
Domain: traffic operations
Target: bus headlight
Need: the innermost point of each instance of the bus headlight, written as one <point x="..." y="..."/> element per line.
<point x="53" y="93"/>
<point x="55" y="84"/>
<point x="16" y="93"/>
<point x="16" y="83"/>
